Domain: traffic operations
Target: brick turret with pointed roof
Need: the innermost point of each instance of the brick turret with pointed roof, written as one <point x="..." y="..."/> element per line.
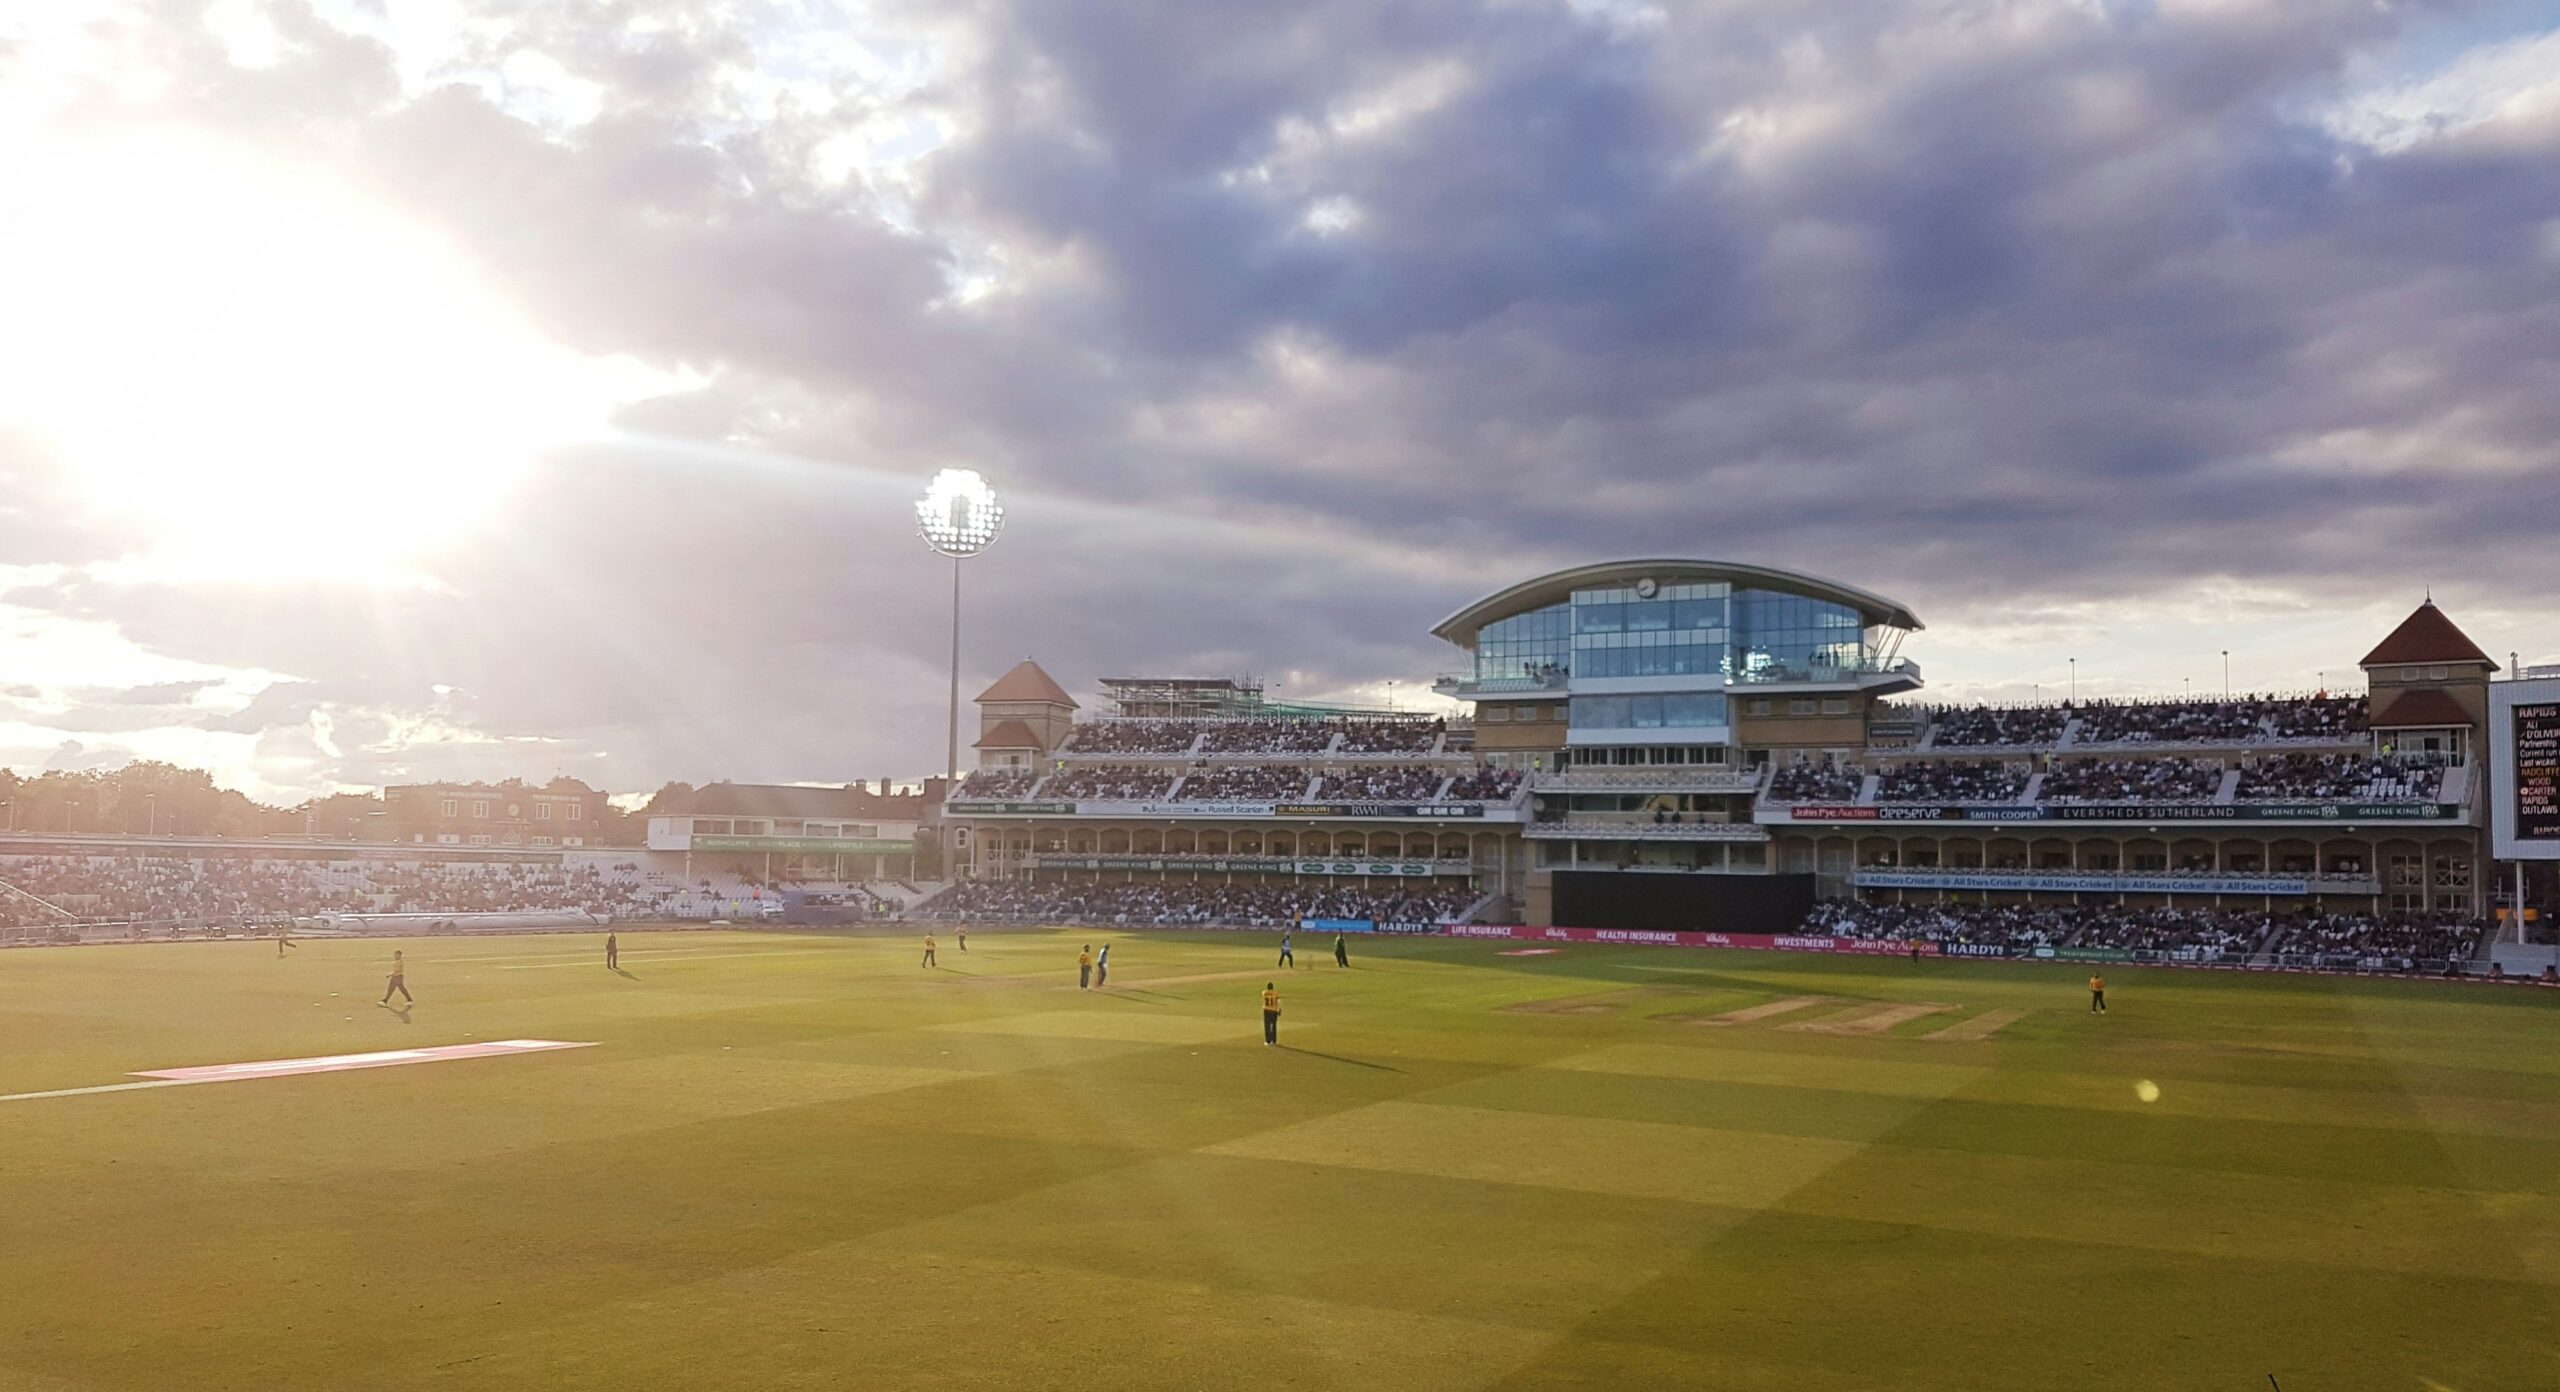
<point x="1022" y="718"/>
<point x="2428" y="676"/>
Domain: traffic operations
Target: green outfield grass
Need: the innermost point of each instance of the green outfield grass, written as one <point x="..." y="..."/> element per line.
<point x="802" y="1162"/>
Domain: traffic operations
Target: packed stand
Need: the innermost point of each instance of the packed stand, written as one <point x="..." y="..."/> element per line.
<point x="1814" y="783"/>
<point x="1245" y="783"/>
<point x="1971" y="727"/>
<point x="1952" y="780"/>
<point x="2358" y="941"/>
<point x="1390" y="783"/>
<point x="2130" y="780"/>
<point x="1389" y="736"/>
<point x="1108" y="783"/>
<point x="248" y="892"/>
<point x="1131" y="737"/>
<point x="999" y="783"/>
<point x="1183" y="903"/>
<point x="2317" y="717"/>
<point x="495" y="888"/>
<point x="2017" y="927"/>
<point x="2342" y="778"/>
<point x="1268" y="737"/>
<point x="2241" y="719"/>
<point x="1483" y="785"/>
<point x="2380" y="941"/>
<point x="2182" y="934"/>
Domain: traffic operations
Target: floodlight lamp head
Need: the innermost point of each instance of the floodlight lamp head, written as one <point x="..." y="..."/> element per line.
<point x="959" y="515"/>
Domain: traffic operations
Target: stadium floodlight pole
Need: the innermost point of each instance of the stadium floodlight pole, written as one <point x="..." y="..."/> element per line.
<point x="958" y="516"/>
<point x="2226" y="674"/>
<point x="2075" y="683"/>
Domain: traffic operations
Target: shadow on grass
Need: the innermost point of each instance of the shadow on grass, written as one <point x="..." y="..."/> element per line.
<point x="622" y="972"/>
<point x="1337" y="1058"/>
<point x="1138" y="994"/>
<point x="401" y="1010"/>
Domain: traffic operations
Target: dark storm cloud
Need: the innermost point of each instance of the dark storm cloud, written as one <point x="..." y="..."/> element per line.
<point x="1308" y="323"/>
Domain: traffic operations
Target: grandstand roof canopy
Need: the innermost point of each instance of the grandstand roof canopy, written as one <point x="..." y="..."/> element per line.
<point x="791" y="800"/>
<point x="2422" y="710"/>
<point x="1027" y="682"/>
<point x="1462" y="626"/>
<point x="2427" y="636"/>
<point x="1008" y="734"/>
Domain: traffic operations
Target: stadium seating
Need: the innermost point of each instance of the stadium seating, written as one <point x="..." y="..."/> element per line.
<point x="1815" y="783"/>
<point x="2394" y="941"/>
<point x="1988" y="726"/>
<point x="1952" y="781"/>
<point x="1484" y="785"/>
<point x="2006" y="926"/>
<point x="2239" y="720"/>
<point x="2130" y="780"/>
<point x="1170" y="903"/>
<point x="1108" y="783"/>
<point x="1132" y="737"/>
<point x="1389" y="736"/>
<point x="2358" y="937"/>
<point x="2341" y="778"/>
<point x="999" y="783"/>
<point x="247" y="891"/>
<point x="1276" y="736"/>
<point x="1385" y="783"/>
<point x="1246" y="783"/>
<point x="1269" y="737"/>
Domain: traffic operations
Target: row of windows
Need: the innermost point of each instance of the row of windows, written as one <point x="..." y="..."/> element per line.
<point x="571" y="811"/>
<point x="1749" y="635"/>
<point x="1682" y="660"/>
<point x="1684" y="711"/>
<point x="757" y="826"/>
<point x="1618" y="594"/>
<point x="1645" y="712"/>
<point x="1799" y="705"/>
<point x="1650" y="616"/>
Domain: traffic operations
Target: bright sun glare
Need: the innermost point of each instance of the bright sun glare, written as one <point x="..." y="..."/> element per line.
<point x="260" y="376"/>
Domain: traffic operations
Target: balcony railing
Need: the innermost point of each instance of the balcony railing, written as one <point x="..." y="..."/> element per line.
<point x="1630" y="826"/>
<point x="1860" y="671"/>
<point x="1700" y="778"/>
<point x="1450" y="683"/>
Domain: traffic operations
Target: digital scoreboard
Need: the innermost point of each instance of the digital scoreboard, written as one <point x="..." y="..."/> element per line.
<point x="2524" y="744"/>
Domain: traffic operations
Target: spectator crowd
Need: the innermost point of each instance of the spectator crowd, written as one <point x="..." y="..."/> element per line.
<point x="1246" y="783"/>
<point x="1001" y="784"/>
<point x="1483" y="785"/>
<point x="1952" y="781"/>
<point x="1815" y="783"/>
<point x="1192" y="903"/>
<point x="1991" y="726"/>
<point x="2130" y="780"/>
<point x="2341" y="778"/>
<point x="1385" y="783"/>
<point x="249" y="892"/>
<point x="2234" y="720"/>
<point x="1108" y="783"/>
<point x="2399" y="941"/>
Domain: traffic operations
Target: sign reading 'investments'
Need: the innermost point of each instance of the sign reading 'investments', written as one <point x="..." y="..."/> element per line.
<point x="2537" y="734"/>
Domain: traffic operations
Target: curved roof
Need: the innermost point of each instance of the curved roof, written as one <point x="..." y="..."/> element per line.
<point x="1462" y="626"/>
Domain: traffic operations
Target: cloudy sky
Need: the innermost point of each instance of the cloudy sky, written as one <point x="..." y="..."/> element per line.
<point x="419" y="388"/>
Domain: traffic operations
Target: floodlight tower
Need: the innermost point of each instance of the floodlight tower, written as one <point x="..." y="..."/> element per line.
<point x="958" y="516"/>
